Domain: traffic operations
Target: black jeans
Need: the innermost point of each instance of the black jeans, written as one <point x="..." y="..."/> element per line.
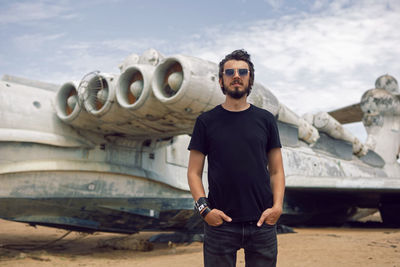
<point x="222" y="242"/>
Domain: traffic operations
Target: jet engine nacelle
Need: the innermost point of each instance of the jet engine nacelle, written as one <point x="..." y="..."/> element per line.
<point x="262" y="97"/>
<point x="381" y="112"/>
<point x="98" y="91"/>
<point x="187" y="85"/>
<point x="135" y="93"/>
<point x="378" y="101"/>
<point x="69" y="107"/>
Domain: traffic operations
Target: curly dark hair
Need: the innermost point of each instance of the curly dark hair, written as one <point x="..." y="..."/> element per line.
<point x="239" y="54"/>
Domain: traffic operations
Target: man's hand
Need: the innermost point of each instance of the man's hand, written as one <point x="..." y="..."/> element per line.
<point x="270" y="216"/>
<point x="216" y="217"/>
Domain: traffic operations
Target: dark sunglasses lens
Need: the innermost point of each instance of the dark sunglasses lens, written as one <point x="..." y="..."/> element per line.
<point x="229" y="72"/>
<point x="243" y="72"/>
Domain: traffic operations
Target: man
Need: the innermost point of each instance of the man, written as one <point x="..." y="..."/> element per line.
<point x="245" y="172"/>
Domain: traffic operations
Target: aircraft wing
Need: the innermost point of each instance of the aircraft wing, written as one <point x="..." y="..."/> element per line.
<point x="349" y="114"/>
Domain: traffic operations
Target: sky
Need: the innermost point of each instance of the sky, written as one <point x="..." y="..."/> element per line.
<point x="313" y="55"/>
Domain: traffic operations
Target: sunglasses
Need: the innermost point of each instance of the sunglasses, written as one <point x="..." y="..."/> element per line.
<point x="231" y="72"/>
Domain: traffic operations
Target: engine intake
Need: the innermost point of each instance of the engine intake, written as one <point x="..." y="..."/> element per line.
<point x="187" y="85"/>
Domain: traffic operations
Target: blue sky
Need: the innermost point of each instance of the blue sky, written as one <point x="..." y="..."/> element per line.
<point x="313" y="55"/>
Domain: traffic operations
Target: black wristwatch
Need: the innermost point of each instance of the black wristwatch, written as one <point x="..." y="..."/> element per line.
<point x="200" y="204"/>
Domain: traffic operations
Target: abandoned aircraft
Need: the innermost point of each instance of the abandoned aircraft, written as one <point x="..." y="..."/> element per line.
<point x="110" y="153"/>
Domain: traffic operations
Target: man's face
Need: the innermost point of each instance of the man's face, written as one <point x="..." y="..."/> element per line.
<point x="236" y="85"/>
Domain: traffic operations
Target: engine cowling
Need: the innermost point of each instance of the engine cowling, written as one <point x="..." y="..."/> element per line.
<point x="187" y="86"/>
<point x="69" y="107"/>
<point x="135" y="94"/>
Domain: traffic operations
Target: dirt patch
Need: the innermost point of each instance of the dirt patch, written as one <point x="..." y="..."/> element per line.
<point x="23" y="245"/>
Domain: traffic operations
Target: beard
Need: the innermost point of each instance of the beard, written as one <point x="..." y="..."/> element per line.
<point x="235" y="93"/>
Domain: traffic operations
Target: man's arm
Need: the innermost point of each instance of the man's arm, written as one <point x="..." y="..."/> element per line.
<point x="277" y="175"/>
<point x="195" y="172"/>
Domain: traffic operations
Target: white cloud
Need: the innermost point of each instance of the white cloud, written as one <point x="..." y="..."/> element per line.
<point x="128" y="45"/>
<point x="319" y="4"/>
<point x="316" y="61"/>
<point x="35" y="42"/>
<point x="71" y="61"/>
<point x="25" y="12"/>
<point x="275" y="4"/>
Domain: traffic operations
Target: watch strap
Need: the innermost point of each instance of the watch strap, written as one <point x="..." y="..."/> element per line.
<point x="201" y="203"/>
<point x="205" y="212"/>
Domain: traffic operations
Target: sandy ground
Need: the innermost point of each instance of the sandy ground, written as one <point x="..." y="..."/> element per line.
<point x="23" y="245"/>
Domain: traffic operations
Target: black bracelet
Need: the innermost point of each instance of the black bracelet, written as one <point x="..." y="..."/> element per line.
<point x="200" y="204"/>
<point x="205" y="212"/>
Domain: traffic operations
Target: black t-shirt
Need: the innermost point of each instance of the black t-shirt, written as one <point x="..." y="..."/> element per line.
<point x="237" y="145"/>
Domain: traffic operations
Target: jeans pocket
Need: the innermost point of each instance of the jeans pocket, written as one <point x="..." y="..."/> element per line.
<point x="216" y="226"/>
<point x="266" y="225"/>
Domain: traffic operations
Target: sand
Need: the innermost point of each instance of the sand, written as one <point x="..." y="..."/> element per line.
<point x="24" y="245"/>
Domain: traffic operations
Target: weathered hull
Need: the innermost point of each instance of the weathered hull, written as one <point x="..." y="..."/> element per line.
<point x="128" y="215"/>
<point x="110" y="203"/>
<point x="128" y="204"/>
